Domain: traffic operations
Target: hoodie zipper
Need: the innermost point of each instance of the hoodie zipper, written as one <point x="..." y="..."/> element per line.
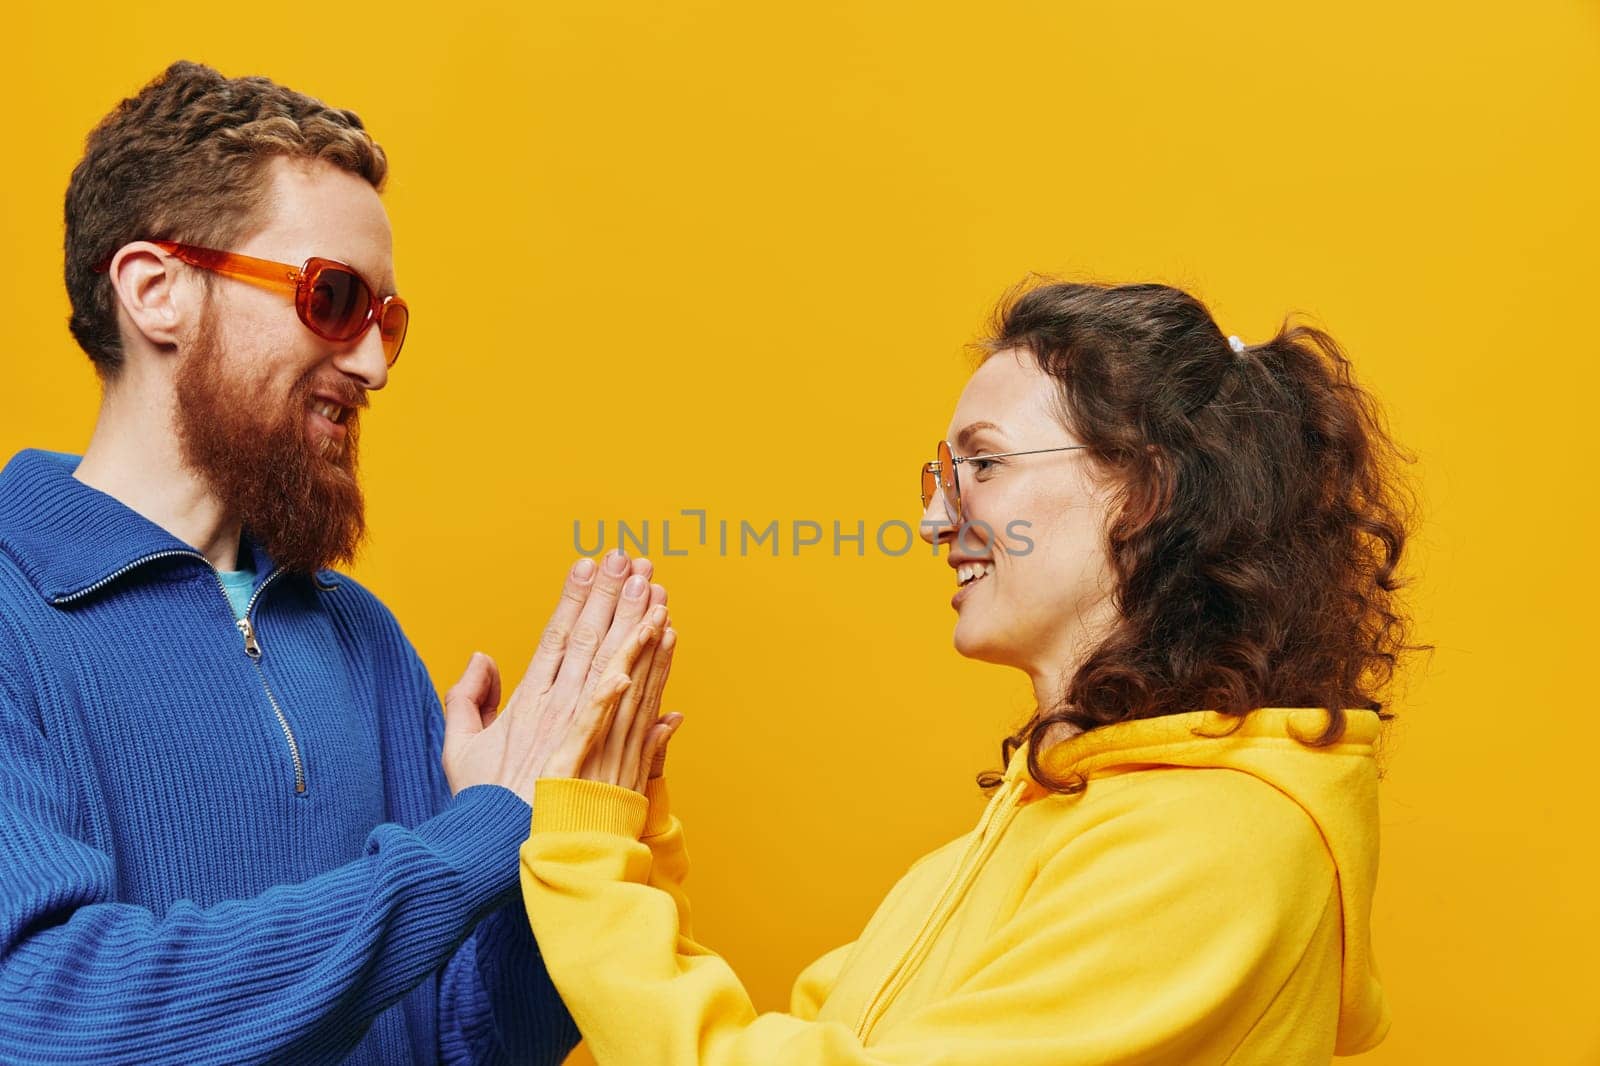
<point x="1002" y="809"/>
<point x="252" y="646"/>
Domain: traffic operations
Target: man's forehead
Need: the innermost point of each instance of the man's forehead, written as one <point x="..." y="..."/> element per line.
<point x="316" y="208"/>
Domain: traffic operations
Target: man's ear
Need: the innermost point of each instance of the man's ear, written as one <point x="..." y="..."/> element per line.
<point x="146" y="284"/>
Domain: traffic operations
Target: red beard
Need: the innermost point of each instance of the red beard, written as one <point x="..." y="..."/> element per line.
<point x="294" y="492"/>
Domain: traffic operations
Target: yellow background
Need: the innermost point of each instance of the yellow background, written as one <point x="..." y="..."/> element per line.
<point x="726" y="255"/>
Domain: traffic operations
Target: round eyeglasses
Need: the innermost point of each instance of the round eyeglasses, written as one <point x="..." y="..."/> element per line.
<point x="943" y="474"/>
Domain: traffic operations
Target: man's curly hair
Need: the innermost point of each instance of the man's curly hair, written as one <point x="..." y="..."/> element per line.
<point x="184" y="160"/>
<point x="1260" y="518"/>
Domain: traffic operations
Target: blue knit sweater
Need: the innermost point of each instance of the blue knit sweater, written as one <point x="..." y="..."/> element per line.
<point x="230" y="841"/>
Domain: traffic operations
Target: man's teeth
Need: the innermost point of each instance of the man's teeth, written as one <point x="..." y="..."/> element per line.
<point x="331" y="411"/>
<point x="967" y="573"/>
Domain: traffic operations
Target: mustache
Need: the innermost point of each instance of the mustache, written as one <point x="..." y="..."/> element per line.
<point x="341" y="390"/>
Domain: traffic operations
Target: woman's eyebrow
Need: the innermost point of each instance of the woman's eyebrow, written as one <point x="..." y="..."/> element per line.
<point x="964" y="438"/>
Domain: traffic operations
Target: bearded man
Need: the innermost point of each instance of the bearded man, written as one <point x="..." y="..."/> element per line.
<point x="225" y="831"/>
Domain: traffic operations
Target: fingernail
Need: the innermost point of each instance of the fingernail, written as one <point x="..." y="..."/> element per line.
<point x="658" y="615"/>
<point x="616" y="563"/>
<point x="584" y="569"/>
<point x="635" y="586"/>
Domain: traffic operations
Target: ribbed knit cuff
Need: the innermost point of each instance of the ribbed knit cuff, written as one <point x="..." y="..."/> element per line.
<point x="565" y="804"/>
<point x="478" y="835"/>
<point x="659" y="819"/>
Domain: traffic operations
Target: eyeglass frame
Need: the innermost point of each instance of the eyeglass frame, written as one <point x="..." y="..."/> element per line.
<point x="286" y="278"/>
<point x="936" y="468"/>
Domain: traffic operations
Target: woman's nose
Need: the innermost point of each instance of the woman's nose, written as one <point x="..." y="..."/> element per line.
<point x="936" y="524"/>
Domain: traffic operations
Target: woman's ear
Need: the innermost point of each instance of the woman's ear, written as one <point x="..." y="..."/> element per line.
<point x="1153" y="485"/>
<point x="146" y="286"/>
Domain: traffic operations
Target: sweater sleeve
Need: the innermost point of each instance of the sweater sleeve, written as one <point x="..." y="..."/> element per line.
<point x="496" y="1002"/>
<point x="1094" y="966"/>
<point x="294" y="974"/>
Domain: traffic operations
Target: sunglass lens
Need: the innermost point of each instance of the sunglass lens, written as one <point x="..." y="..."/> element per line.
<point x="338" y="303"/>
<point x="392" y="327"/>
<point x="930" y="484"/>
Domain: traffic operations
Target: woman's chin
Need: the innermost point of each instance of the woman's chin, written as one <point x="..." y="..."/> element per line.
<point x="973" y="640"/>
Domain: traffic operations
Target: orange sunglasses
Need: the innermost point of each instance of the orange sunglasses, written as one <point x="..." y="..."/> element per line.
<point x="333" y="301"/>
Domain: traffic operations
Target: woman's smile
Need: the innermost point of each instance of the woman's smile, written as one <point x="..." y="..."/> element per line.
<point x="969" y="573"/>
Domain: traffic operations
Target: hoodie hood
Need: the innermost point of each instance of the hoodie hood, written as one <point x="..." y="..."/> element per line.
<point x="1337" y="786"/>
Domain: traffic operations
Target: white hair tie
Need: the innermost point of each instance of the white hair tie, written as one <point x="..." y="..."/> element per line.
<point x="1237" y="345"/>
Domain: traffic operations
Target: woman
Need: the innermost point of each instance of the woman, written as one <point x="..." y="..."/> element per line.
<point x="1190" y="546"/>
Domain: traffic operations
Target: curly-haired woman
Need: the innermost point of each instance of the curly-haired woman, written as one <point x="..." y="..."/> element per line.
<point x="1190" y="545"/>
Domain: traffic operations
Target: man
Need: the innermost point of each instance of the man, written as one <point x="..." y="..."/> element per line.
<point x="225" y="831"/>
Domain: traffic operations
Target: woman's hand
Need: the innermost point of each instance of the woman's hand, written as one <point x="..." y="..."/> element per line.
<point x="635" y="748"/>
<point x="582" y="736"/>
<point x="655" y="747"/>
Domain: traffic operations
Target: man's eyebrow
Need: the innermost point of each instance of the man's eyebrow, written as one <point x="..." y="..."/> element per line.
<point x="964" y="438"/>
<point x="381" y="284"/>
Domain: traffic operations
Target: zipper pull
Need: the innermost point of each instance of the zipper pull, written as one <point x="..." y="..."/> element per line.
<point x="251" y="648"/>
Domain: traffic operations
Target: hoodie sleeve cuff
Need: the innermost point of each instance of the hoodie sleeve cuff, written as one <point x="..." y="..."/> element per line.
<point x="563" y="804"/>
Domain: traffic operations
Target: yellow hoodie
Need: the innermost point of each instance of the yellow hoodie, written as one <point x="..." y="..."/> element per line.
<point x="1205" y="900"/>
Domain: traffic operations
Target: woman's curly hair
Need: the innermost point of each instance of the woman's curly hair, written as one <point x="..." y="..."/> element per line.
<point x="1259" y="519"/>
<point x="183" y="160"/>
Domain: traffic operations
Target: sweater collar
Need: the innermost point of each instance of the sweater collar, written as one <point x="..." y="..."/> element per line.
<point x="69" y="538"/>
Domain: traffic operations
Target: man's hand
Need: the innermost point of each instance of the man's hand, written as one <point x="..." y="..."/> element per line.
<point x="608" y="618"/>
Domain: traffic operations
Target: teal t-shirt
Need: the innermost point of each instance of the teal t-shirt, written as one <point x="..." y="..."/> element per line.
<point x="238" y="583"/>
